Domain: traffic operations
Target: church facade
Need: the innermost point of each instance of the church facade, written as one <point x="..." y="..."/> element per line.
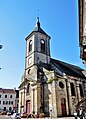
<point x="48" y="85"/>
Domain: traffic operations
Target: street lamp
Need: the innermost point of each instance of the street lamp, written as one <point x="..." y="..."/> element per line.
<point x="1" y="46"/>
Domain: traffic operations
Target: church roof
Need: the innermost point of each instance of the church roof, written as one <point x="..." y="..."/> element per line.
<point x="62" y="68"/>
<point x="38" y="29"/>
<point x="68" y="69"/>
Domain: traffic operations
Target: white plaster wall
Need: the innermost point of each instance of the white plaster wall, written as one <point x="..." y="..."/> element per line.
<point x="7" y="99"/>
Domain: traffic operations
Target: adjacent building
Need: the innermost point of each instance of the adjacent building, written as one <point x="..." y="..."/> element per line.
<point x="82" y="29"/>
<point x="48" y="85"/>
<point x="8" y="99"/>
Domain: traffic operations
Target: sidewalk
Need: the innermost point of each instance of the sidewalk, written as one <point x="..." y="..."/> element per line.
<point x="53" y="118"/>
<point x="66" y="118"/>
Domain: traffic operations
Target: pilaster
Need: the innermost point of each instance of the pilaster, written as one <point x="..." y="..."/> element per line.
<point x="78" y="91"/>
<point x="35" y="98"/>
<point x="54" y="101"/>
<point x="70" y="99"/>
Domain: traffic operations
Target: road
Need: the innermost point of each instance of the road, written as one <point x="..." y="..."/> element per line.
<point x="5" y="117"/>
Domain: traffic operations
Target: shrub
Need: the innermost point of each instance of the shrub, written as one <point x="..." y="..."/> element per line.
<point x="41" y="115"/>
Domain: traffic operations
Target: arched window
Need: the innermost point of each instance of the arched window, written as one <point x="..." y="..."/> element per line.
<point x="28" y="88"/>
<point x="72" y="89"/>
<point x="30" y="45"/>
<point x="81" y="91"/>
<point x="42" y="45"/>
<point x="4" y="108"/>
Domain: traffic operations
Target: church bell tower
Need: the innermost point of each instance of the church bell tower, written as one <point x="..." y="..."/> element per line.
<point x="37" y="47"/>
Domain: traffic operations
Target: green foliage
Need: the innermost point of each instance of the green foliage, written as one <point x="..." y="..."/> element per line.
<point x="51" y="79"/>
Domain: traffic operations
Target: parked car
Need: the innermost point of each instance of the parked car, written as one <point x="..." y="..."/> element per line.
<point x="23" y="115"/>
<point x="15" y="116"/>
<point x="3" y="113"/>
<point x="8" y="113"/>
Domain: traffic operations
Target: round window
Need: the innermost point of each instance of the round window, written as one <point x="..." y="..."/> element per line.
<point x="61" y="85"/>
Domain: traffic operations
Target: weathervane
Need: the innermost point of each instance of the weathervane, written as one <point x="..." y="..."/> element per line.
<point x="38" y="14"/>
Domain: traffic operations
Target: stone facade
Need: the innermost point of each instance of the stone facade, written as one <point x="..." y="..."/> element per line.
<point x="48" y="85"/>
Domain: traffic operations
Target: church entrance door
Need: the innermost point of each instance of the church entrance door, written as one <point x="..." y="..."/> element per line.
<point x="28" y="106"/>
<point x="63" y="106"/>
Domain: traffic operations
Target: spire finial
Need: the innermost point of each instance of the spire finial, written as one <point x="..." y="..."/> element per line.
<point x="38" y="23"/>
<point x="37" y="19"/>
<point x="38" y="13"/>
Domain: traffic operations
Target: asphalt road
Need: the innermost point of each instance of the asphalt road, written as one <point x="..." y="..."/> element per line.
<point x="5" y="117"/>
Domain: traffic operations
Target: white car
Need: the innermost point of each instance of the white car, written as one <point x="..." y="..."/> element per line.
<point x="15" y="116"/>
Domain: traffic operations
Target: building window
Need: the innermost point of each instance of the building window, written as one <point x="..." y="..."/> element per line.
<point x="81" y="90"/>
<point x="10" y="96"/>
<point x="6" y="102"/>
<point x="4" y="108"/>
<point x="0" y="96"/>
<point x="30" y="45"/>
<point x="0" y="101"/>
<point x="9" y="102"/>
<point x="30" y="60"/>
<point x="12" y="102"/>
<point x="3" y="102"/>
<point x="5" y="96"/>
<point x="28" y="88"/>
<point x="72" y="89"/>
<point x="61" y="85"/>
<point x="10" y="108"/>
<point x="42" y="45"/>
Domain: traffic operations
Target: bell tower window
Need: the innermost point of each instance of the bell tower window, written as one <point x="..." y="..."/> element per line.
<point x="30" y="45"/>
<point x="42" y="45"/>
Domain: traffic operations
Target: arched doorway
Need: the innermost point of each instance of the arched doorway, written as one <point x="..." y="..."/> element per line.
<point x="63" y="106"/>
<point x="28" y="106"/>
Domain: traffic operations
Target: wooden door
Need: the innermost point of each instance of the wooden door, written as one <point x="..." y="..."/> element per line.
<point x="63" y="106"/>
<point x="28" y="107"/>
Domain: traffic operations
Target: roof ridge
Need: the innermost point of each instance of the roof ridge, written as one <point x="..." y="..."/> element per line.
<point x="68" y="63"/>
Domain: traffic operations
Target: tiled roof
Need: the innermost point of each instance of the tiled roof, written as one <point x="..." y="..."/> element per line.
<point x="67" y="68"/>
<point x="62" y="68"/>
<point x="7" y="90"/>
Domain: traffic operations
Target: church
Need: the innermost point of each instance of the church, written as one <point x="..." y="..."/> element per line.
<point x="48" y="85"/>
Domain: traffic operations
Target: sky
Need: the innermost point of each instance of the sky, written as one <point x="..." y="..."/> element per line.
<point x="58" y="18"/>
